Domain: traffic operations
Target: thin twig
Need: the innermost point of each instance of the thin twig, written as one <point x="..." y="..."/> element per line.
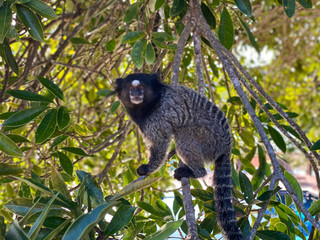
<point x="198" y="63"/>
<point x="179" y="52"/>
<point x="116" y="152"/>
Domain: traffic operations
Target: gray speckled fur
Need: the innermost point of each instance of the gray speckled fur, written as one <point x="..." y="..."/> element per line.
<point x="198" y="127"/>
<point x="201" y="134"/>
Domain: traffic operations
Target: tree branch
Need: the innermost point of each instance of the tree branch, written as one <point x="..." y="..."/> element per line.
<point x="179" y="52"/>
<point x="189" y="209"/>
<point x="198" y="61"/>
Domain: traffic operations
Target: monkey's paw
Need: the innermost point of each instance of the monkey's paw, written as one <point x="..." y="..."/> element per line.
<point x="143" y="170"/>
<point x="183" y="172"/>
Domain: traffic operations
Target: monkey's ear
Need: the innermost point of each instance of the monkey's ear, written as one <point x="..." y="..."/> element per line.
<point x="154" y="78"/>
<point x="119" y="82"/>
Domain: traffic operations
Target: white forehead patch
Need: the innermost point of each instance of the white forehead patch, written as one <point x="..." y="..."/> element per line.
<point x="135" y="83"/>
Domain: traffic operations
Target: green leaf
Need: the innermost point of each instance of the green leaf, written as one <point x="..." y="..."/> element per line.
<point x="244" y="6"/>
<point x="315" y="146"/>
<point x="40" y="220"/>
<point x="202" y="194"/>
<point x="294" y="184"/>
<point x="177" y="7"/>
<point x="16" y="232"/>
<point x="131" y="13"/>
<point x="277" y="116"/>
<point x="65" y="163"/>
<point x="209" y="222"/>
<point x="291" y="131"/>
<point x="213" y="67"/>
<point x="105" y="92"/>
<point x="150" y="55"/>
<point x="120" y="219"/>
<point x="22" y="206"/>
<point x="9" y="147"/>
<point x="261" y="171"/>
<point x="75" y="150"/>
<point x="41" y="8"/>
<point x="85" y="223"/>
<point x="52" y="87"/>
<point x="165" y="231"/>
<point x="92" y="187"/>
<point x="9" y="169"/>
<point x="289" y="7"/>
<point x="250" y="35"/>
<point x="57" y="230"/>
<point x="306" y="3"/>
<point x="268" y="194"/>
<point x="63" y="117"/>
<point x="277" y="138"/>
<point x="138" y="52"/>
<point x="134" y="187"/>
<point x="151" y="209"/>
<point x="31" y="21"/>
<point x="235" y="100"/>
<point x="226" y="32"/>
<point x="164" y="45"/>
<point x="4" y="116"/>
<point x="272" y="235"/>
<point x="248" y="158"/>
<point x="111" y="45"/>
<point x="21" y="118"/>
<point x="6" y="53"/>
<point x="47" y="126"/>
<point x="177" y="202"/>
<point x="159" y="4"/>
<point x="5" y="20"/>
<point x="211" y="20"/>
<point x="132" y="37"/>
<point x="246" y="187"/>
<point x="79" y="41"/>
<point x="114" y="107"/>
<point x="195" y="183"/>
<point x="27" y="95"/>
<point x="163" y="207"/>
<point x="35" y="185"/>
<point x="315" y="208"/>
<point x="58" y="140"/>
<point x="247" y="138"/>
<point x="286" y="216"/>
<point x="58" y="183"/>
<point x="235" y="177"/>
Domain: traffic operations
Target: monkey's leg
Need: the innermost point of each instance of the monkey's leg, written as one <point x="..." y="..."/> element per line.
<point x="192" y="159"/>
<point x="157" y="155"/>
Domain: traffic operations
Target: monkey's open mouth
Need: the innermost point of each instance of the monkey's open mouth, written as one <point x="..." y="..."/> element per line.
<point x="136" y="99"/>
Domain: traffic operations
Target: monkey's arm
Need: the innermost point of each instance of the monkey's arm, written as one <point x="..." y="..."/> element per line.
<point x="158" y="150"/>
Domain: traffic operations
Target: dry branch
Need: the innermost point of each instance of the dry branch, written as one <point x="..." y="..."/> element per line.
<point x="230" y="63"/>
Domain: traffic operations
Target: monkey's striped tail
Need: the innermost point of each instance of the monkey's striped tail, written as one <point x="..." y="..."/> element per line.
<point x="222" y="181"/>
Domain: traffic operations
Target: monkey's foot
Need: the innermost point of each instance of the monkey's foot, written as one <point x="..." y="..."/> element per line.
<point x="184" y="171"/>
<point x="143" y="170"/>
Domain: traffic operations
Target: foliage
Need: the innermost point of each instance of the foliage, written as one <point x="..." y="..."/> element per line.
<point x="58" y="63"/>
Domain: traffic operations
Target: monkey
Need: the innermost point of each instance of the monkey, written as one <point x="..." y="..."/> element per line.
<point x="199" y="128"/>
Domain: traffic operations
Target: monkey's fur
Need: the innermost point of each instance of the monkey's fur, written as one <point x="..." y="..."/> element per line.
<point x="198" y="127"/>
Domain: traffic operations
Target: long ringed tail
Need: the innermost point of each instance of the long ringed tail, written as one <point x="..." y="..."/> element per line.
<point x="222" y="181"/>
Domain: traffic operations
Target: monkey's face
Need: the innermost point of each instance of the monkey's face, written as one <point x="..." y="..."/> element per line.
<point x="136" y="92"/>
